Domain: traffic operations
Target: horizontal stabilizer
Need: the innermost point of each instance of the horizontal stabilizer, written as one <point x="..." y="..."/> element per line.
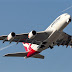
<point x="38" y="56"/>
<point x="20" y="54"/>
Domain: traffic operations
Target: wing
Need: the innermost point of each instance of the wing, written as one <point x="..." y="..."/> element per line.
<point x="38" y="56"/>
<point x="41" y="36"/>
<point x="64" y="39"/>
<point x="21" y="54"/>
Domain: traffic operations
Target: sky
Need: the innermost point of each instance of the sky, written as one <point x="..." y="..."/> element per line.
<point x="23" y="16"/>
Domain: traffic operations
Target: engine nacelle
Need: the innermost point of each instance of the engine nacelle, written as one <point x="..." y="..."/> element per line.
<point x="11" y="36"/>
<point x="32" y="34"/>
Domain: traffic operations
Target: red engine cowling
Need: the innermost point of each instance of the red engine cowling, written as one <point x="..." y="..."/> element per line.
<point x="11" y="36"/>
<point x="32" y="34"/>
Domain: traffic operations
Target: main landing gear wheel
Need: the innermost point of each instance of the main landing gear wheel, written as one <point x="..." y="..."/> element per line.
<point x="51" y="47"/>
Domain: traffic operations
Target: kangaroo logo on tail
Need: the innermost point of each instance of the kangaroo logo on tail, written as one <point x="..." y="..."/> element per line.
<point x="27" y="46"/>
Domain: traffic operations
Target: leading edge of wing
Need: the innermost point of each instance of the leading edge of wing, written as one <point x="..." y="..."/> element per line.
<point x="24" y="37"/>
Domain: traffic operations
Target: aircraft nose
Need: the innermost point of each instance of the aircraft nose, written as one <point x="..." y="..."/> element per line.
<point x="69" y="20"/>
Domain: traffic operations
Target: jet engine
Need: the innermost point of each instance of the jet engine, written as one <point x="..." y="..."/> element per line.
<point x="11" y="36"/>
<point x="32" y="34"/>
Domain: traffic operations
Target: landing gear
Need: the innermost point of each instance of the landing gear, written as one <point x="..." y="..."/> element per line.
<point x="44" y="42"/>
<point x="51" y="47"/>
<point x="42" y="46"/>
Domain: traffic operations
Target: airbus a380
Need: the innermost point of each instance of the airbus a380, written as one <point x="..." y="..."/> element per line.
<point x="35" y="42"/>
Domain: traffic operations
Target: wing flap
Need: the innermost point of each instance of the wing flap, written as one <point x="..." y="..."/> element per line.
<point x="64" y="39"/>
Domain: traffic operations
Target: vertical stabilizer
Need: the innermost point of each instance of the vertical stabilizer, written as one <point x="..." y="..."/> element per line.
<point x="27" y="46"/>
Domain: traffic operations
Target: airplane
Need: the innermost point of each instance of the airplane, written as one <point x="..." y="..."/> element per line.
<point x="35" y="42"/>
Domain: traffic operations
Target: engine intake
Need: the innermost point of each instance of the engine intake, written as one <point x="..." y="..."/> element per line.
<point x="13" y="34"/>
<point x="34" y="32"/>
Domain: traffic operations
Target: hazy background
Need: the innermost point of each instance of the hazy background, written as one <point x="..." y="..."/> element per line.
<point x="22" y="16"/>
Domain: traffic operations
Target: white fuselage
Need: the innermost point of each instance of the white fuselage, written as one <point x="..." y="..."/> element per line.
<point x="60" y="23"/>
<point x="50" y="37"/>
<point x="56" y="27"/>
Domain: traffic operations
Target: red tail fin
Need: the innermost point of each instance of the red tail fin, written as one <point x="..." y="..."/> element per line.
<point x="27" y="46"/>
